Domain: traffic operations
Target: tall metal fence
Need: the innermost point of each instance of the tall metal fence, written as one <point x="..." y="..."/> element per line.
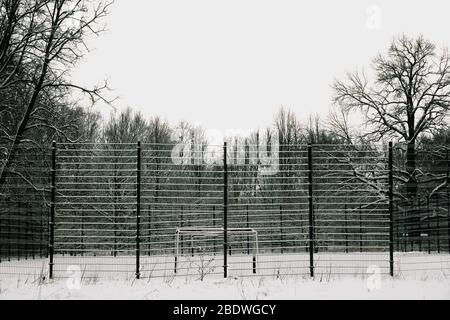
<point x="422" y="223"/>
<point x="24" y="214"/>
<point x="165" y="210"/>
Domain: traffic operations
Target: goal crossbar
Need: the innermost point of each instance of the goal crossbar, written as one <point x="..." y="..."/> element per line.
<point x="201" y="231"/>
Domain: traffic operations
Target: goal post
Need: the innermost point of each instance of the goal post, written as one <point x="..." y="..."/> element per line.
<point x="215" y="232"/>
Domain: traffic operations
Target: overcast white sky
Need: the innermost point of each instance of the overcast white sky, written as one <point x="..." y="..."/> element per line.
<point x="231" y="64"/>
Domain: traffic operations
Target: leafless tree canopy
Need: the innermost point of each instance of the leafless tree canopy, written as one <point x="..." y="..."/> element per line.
<point x="40" y="42"/>
<point x="408" y="98"/>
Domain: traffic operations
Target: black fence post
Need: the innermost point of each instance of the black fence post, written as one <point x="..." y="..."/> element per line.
<point x="149" y="233"/>
<point x="346" y="228"/>
<point x="419" y="225"/>
<point x="138" y="209"/>
<point x="448" y="199"/>
<point x="409" y="238"/>
<point x="404" y="227"/>
<point x="41" y="241"/>
<point x="360" y="230"/>
<point x="448" y="219"/>
<point x="18" y="229"/>
<point x="1" y="237"/>
<point x="438" y="221"/>
<point x="311" y="212"/>
<point x="248" y="226"/>
<point x="428" y="226"/>
<point x="391" y="222"/>
<point x="31" y="237"/>
<point x="9" y="238"/>
<point x="115" y="234"/>
<point x="52" y="210"/>
<point x="214" y="225"/>
<point x="192" y="244"/>
<point x="181" y="235"/>
<point x="82" y="234"/>
<point x="26" y="235"/>
<point x="176" y="253"/>
<point x="397" y="231"/>
<point x="225" y="211"/>
<point x="281" y="230"/>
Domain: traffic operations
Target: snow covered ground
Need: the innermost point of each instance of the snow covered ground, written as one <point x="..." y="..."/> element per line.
<point x="245" y="288"/>
<point x="272" y="265"/>
<point x="338" y="276"/>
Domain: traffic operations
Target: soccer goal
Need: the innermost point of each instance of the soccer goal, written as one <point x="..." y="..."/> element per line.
<point x="195" y="232"/>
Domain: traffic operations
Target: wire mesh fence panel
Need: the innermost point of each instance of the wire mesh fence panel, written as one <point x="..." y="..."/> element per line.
<point x="95" y="215"/>
<point x="422" y="221"/>
<point x="268" y="193"/>
<point x="351" y="214"/>
<point x="24" y="214"/>
<point x="182" y="210"/>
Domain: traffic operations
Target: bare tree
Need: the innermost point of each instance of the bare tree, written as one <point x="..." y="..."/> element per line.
<point x="127" y="127"/>
<point x="290" y="135"/>
<point x="339" y="125"/>
<point x="288" y="127"/>
<point x="40" y="42"/>
<point x="409" y="97"/>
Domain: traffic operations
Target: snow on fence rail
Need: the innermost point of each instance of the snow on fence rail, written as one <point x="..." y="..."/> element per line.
<point x="113" y="210"/>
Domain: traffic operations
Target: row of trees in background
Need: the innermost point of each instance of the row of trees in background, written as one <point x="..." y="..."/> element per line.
<point x="41" y="42"/>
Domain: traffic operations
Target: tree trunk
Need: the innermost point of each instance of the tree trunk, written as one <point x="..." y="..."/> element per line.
<point x="411" y="185"/>
<point x="36" y="92"/>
